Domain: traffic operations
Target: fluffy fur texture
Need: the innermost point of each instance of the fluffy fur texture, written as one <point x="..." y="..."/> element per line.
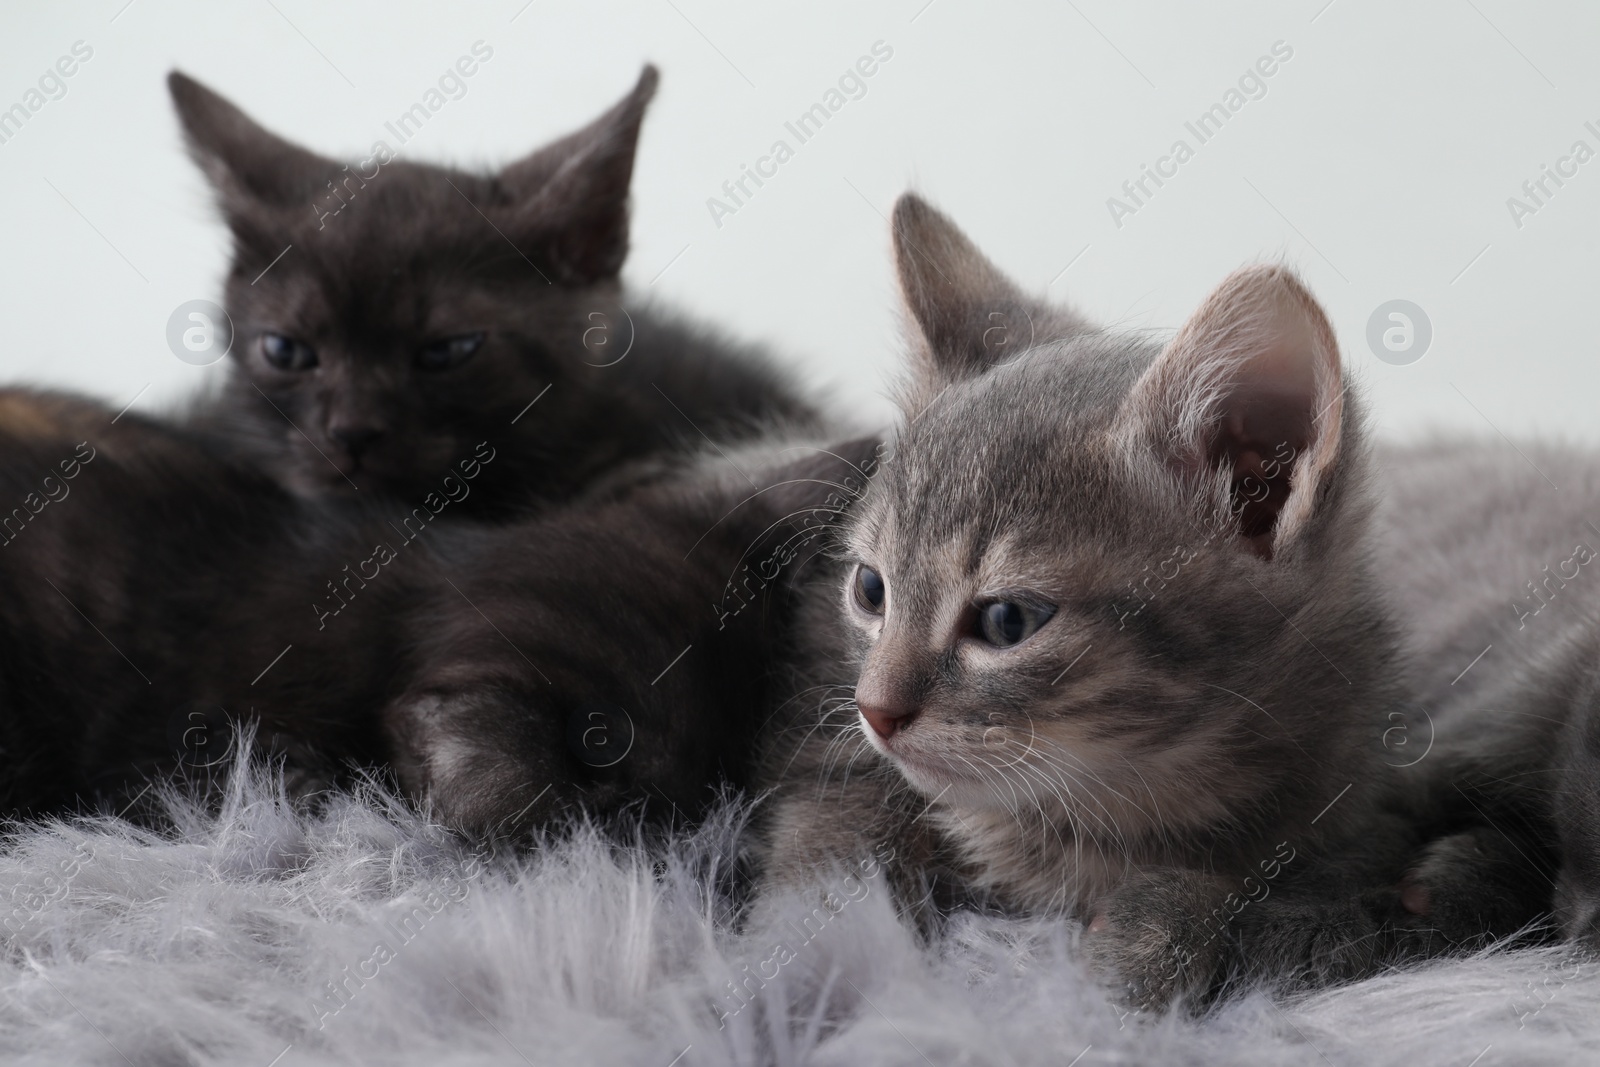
<point x="217" y="946"/>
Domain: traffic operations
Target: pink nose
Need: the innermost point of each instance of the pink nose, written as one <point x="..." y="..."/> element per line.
<point x="886" y="720"/>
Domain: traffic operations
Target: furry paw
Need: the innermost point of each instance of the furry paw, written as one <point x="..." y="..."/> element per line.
<point x="1151" y="940"/>
<point x="1473" y="886"/>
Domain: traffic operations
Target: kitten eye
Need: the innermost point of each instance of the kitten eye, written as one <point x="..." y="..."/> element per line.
<point x="1005" y="623"/>
<point x="450" y="352"/>
<point x="869" y="590"/>
<point x="285" y="353"/>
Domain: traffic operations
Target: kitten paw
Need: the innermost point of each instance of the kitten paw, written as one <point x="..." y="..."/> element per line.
<point x="1149" y="939"/>
<point x="1415" y="895"/>
<point x="1473" y="886"/>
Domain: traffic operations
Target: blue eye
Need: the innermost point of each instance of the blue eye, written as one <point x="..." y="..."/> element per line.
<point x="450" y="352"/>
<point x="1004" y="623"/>
<point x="869" y="589"/>
<point x="285" y="353"/>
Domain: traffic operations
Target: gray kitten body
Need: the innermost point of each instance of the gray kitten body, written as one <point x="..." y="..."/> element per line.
<point x="1494" y="569"/>
<point x="1188" y="752"/>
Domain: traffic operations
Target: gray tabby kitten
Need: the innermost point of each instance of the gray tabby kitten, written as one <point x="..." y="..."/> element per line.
<point x="1105" y="641"/>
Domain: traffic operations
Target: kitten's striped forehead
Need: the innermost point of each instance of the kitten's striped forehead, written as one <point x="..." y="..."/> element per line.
<point x="1019" y="452"/>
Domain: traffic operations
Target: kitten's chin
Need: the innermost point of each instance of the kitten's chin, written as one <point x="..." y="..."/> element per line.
<point x="959" y="791"/>
<point x="925" y="780"/>
<point x="935" y="778"/>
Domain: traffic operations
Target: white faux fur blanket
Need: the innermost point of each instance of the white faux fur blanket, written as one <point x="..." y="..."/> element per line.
<point x="362" y="934"/>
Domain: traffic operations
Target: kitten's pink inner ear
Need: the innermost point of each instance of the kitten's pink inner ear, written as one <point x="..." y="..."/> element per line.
<point x="1250" y="385"/>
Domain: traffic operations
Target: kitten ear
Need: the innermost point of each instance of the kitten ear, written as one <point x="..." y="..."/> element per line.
<point x="243" y="161"/>
<point x="570" y="198"/>
<point x="968" y="315"/>
<point x="1246" y="400"/>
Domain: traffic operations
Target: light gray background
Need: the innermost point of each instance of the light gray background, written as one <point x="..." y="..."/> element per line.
<point x="1379" y="162"/>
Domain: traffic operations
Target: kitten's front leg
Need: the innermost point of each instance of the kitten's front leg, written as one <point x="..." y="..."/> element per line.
<point x="1173" y="935"/>
<point x="867" y="820"/>
<point x="1328" y="928"/>
<point x="1157" y="936"/>
<point x="484" y="763"/>
<point x="1477" y="885"/>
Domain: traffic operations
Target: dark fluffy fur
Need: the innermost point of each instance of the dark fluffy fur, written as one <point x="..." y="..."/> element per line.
<point x="387" y="257"/>
<point x="167" y="595"/>
<point x="1200" y="777"/>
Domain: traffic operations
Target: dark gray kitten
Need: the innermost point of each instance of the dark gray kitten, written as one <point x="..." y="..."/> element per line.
<point x="388" y="315"/>
<point x="1105" y="641"/>
<point x="611" y="654"/>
